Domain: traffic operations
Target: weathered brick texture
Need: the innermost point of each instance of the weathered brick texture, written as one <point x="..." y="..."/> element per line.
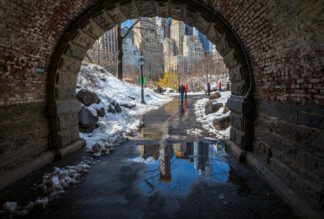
<point x="282" y="40"/>
<point x="270" y="31"/>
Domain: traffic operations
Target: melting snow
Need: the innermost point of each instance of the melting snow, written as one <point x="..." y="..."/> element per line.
<point x="208" y="120"/>
<point x="114" y="128"/>
<point x="53" y="184"/>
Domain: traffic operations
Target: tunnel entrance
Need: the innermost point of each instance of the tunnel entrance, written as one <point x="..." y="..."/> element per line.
<point x="90" y="26"/>
<point x="43" y="45"/>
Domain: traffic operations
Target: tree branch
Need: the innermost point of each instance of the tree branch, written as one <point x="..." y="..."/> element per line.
<point x="130" y="28"/>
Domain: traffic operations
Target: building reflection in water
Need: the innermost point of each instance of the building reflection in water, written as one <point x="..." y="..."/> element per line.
<point x="201" y="157"/>
<point x="184" y="151"/>
<point x="182" y="163"/>
<point x="150" y="151"/>
<point x="166" y="154"/>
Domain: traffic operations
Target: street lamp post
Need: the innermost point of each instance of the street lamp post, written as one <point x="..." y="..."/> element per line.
<point x="141" y="62"/>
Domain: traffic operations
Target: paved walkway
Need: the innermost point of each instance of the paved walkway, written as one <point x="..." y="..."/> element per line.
<point x="171" y="169"/>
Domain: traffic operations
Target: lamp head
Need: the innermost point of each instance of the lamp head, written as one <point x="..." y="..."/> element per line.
<point x="141" y="61"/>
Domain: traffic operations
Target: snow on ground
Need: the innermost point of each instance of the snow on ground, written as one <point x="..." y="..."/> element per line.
<point x="208" y="120"/>
<point x="55" y="182"/>
<point x="53" y="185"/>
<point x="114" y="128"/>
<point x="196" y="132"/>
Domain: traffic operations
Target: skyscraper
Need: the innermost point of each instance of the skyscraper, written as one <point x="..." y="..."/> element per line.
<point x="177" y="33"/>
<point x="204" y="41"/>
<point x="189" y="30"/>
<point x="166" y="27"/>
<point x="148" y="40"/>
<point x="168" y="51"/>
<point x="181" y="50"/>
<point x="130" y="34"/>
<point x="193" y="50"/>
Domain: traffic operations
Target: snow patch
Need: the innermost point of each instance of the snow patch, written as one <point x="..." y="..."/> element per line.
<point x="53" y="184"/>
<point x="195" y="132"/>
<point x="208" y="120"/>
<point x="115" y="127"/>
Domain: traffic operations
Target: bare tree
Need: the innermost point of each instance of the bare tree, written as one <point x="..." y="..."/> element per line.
<point x="151" y="64"/>
<point x="120" y="53"/>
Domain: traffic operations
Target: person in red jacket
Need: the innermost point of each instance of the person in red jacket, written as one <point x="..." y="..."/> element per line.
<point x="186" y="89"/>
<point x="220" y="86"/>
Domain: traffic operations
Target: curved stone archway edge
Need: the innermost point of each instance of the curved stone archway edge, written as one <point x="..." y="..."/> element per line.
<point x="63" y="106"/>
<point x="284" y="43"/>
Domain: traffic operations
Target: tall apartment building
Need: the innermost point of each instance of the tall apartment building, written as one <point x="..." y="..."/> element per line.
<point x="108" y="41"/>
<point x="131" y="53"/>
<point x="192" y="49"/>
<point x="181" y="51"/>
<point x="148" y="40"/>
<point x="178" y="64"/>
<point x="146" y="31"/>
<point x="177" y="34"/>
<point x="166" y="27"/>
<point x="168" y="51"/>
<point x="104" y="50"/>
<point x="204" y="41"/>
<point x="130" y="35"/>
<point x="189" y="30"/>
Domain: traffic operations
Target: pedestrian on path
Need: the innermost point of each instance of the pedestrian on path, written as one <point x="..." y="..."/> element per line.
<point x="220" y="86"/>
<point x="186" y="89"/>
<point x="208" y="89"/>
<point x="182" y="91"/>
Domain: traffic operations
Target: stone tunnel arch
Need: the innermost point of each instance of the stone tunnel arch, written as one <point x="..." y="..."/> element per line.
<point x="284" y="43"/>
<point x="80" y="36"/>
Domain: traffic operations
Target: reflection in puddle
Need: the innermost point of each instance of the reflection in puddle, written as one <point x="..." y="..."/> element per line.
<point x="174" y="167"/>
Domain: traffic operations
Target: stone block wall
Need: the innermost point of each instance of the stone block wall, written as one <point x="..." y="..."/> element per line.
<point x="24" y="134"/>
<point x="283" y="41"/>
<point x="289" y="138"/>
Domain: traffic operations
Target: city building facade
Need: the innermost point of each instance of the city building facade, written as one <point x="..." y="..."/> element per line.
<point x="147" y="39"/>
<point x="192" y="49"/>
<point x="182" y="50"/>
<point x="177" y="34"/>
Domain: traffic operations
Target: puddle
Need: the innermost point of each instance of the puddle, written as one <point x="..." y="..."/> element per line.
<point x="174" y="167"/>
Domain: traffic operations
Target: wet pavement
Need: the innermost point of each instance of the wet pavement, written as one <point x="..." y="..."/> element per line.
<point x="171" y="169"/>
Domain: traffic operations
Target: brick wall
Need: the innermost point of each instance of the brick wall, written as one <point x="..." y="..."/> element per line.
<point x="30" y="31"/>
<point x="283" y="41"/>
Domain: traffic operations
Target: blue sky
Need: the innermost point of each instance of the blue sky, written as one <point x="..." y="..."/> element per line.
<point x="127" y="23"/>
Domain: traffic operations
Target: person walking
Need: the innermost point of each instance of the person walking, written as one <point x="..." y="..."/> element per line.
<point x="220" y="86"/>
<point x="182" y="91"/>
<point x="186" y="89"/>
<point x="208" y="89"/>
